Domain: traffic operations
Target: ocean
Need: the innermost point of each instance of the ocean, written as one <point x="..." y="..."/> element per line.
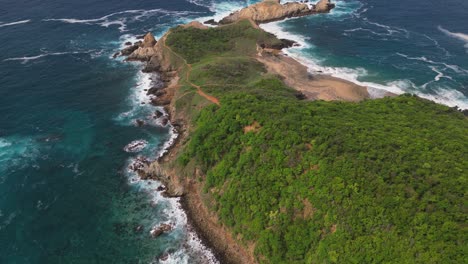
<point x="68" y="111"/>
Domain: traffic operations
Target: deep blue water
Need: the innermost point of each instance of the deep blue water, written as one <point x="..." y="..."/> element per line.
<point x="68" y="110"/>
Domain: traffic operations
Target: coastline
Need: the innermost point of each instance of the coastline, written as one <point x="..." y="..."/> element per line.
<point x="211" y="232"/>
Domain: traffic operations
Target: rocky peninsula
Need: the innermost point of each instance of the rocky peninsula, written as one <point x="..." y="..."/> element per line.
<point x="174" y="71"/>
<point x="256" y="129"/>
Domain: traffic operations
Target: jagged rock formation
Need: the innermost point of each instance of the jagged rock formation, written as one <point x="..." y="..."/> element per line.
<point x="145" y="50"/>
<point x="324" y="6"/>
<point x="273" y="10"/>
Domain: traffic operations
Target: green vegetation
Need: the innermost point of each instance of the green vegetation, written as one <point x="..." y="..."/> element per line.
<point x="195" y="44"/>
<point x="382" y="181"/>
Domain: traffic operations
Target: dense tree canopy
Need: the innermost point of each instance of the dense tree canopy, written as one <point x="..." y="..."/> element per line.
<point x="381" y="181"/>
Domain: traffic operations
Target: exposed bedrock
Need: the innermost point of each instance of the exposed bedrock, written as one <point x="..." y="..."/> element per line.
<point x="273" y="10"/>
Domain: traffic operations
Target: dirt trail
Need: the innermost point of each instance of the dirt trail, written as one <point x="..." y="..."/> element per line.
<point x="189" y="71"/>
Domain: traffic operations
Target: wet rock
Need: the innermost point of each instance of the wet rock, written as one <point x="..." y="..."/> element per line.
<point x="160" y="101"/>
<point x="153" y="90"/>
<point x="157" y="231"/>
<point x="139" y="229"/>
<point x="160" y="93"/>
<point x="164" y="257"/>
<point x="284" y="43"/>
<point x="211" y="22"/>
<point x="139" y="164"/>
<point x="136" y="146"/>
<point x="140" y="122"/>
<point x="158" y="114"/>
<point x="116" y="55"/>
<point x="161" y="188"/>
<point x="129" y="50"/>
<point x="164" y="121"/>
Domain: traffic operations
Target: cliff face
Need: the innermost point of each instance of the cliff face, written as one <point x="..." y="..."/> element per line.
<point x="273" y="10"/>
<point x="145" y="50"/>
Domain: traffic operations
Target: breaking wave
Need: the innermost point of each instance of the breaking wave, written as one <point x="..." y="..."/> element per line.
<point x="27" y="59"/>
<point x="15" y="23"/>
<point x="460" y="36"/>
<point x="122" y="18"/>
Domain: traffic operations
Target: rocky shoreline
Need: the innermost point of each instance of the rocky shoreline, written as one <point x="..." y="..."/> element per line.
<point x="156" y="57"/>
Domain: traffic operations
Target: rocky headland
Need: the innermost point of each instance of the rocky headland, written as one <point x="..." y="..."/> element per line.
<point x="172" y="69"/>
<point x="272" y="10"/>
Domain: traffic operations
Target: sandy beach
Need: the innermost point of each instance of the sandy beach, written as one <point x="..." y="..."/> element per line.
<point x="314" y="87"/>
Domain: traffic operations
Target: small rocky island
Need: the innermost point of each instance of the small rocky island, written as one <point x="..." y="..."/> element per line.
<point x="272" y="10"/>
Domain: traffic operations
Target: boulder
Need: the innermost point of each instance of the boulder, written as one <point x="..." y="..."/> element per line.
<point x="157" y="231"/>
<point x="140" y="122"/>
<point x="211" y="22"/>
<point x="158" y="114"/>
<point x="129" y="50"/>
<point x="152" y="90"/>
<point x="324" y="6"/>
<point x="164" y="121"/>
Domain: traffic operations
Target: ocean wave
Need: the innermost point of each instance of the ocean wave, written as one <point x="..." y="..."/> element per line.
<point x="121" y="18"/>
<point x="452" y="67"/>
<point x="26" y="59"/>
<point x="204" y="3"/>
<point x="192" y="249"/>
<point x="439" y="94"/>
<point x="17" y="153"/>
<point x="140" y="102"/>
<point x="460" y="36"/>
<point x="221" y="9"/>
<point x="15" y="23"/>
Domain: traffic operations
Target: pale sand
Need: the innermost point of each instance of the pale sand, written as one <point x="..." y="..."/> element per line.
<point x="314" y="87"/>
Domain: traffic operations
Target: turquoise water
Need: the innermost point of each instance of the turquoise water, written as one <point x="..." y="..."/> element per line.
<point x="68" y="110"/>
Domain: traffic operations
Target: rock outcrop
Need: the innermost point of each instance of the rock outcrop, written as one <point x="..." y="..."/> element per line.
<point x="145" y="50"/>
<point x="324" y="6"/>
<point x="273" y="10"/>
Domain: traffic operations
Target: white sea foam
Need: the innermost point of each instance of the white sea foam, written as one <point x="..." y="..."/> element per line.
<point x="204" y="3"/>
<point x="460" y="36"/>
<point x="441" y="95"/>
<point x="173" y="215"/>
<point x="15" y="23"/>
<point x="452" y="67"/>
<point x="27" y="59"/>
<point x="123" y="17"/>
<point x="17" y="153"/>
<point x="7" y="220"/>
<point x="221" y="9"/>
<point x="277" y="28"/>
